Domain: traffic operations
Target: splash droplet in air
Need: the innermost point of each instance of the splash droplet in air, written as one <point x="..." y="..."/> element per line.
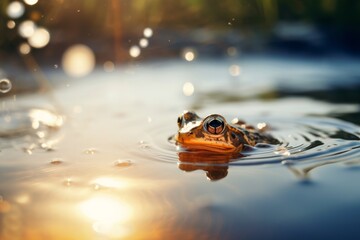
<point x="5" y="85"/>
<point x="15" y="9"/>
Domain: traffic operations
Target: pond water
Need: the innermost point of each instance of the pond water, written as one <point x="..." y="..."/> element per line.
<point x="92" y="159"/>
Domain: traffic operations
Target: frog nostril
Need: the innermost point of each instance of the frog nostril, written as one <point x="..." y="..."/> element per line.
<point x="215" y="126"/>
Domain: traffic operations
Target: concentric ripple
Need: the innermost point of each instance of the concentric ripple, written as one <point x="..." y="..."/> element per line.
<point x="302" y="140"/>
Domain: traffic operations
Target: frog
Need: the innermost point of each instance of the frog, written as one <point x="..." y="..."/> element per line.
<point x="214" y="134"/>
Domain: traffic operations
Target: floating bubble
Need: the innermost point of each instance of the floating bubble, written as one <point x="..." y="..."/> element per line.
<point x="148" y="32"/>
<point x="40" y="38"/>
<point x="27" y="28"/>
<point x="123" y="163"/>
<point x="5" y="85"/>
<point x="56" y="161"/>
<point x="109" y="66"/>
<point x="234" y="70"/>
<point x="189" y="54"/>
<point x="134" y="51"/>
<point x="11" y="24"/>
<point x="78" y="60"/>
<point x="143" y="43"/>
<point x="31" y="2"/>
<point x="90" y="151"/>
<point x="188" y="89"/>
<point x="15" y="9"/>
<point x="68" y="182"/>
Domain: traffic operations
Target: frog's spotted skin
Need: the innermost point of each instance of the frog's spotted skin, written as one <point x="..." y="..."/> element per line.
<point x="213" y="133"/>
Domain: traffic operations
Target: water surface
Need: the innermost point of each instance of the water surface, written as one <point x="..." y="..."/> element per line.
<point x="98" y="163"/>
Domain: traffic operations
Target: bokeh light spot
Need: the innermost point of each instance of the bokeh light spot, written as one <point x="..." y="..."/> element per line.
<point x="148" y="32"/>
<point x="109" y="66"/>
<point x="143" y="43"/>
<point x="188" y="89"/>
<point x="78" y="60"/>
<point x="40" y="38"/>
<point x="189" y="54"/>
<point x="234" y="70"/>
<point x="134" y="51"/>
<point x="11" y="24"/>
<point x="27" y="28"/>
<point x="31" y="2"/>
<point x="24" y="48"/>
<point x="15" y="9"/>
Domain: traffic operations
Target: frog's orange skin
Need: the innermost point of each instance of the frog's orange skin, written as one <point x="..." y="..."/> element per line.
<point x="214" y="134"/>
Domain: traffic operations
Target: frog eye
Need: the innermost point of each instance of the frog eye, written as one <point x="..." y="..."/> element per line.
<point x="214" y="125"/>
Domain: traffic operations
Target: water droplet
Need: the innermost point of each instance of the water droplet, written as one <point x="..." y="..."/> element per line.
<point x="90" y="151"/>
<point x="40" y="38"/>
<point x="144" y="144"/>
<point x="5" y="85"/>
<point x="188" y="89"/>
<point x="287" y="162"/>
<point x="134" y="51"/>
<point x="123" y="163"/>
<point x="148" y="32"/>
<point x="56" y="161"/>
<point x="15" y="9"/>
<point x="78" y="60"/>
<point x="234" y="70"/>
<point x="68" y="182"/>
<point x="143" y="43"/>
<point x="30" y="2"/>
<point x="282" y="151"/>
<point x="261" y="126"/>
<point x="24" y="48"/>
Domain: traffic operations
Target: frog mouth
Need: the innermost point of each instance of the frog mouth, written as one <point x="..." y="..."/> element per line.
<point x="209" y="144"/>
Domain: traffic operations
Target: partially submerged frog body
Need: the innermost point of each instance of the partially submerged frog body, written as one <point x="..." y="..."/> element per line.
<point x="214" y="134"/>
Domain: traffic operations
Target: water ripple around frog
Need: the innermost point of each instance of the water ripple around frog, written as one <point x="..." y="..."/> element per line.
<point x="304" y="140"/>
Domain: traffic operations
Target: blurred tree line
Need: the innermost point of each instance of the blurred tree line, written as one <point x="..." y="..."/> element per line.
<point x="73" y="20"/>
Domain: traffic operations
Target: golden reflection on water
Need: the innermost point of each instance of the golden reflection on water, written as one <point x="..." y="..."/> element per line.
<point x="108" y="215"/>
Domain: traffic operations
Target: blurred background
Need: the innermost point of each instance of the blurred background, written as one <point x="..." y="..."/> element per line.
<point x="122" y="31"/>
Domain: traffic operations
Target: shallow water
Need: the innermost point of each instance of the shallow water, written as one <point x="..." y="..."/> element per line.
<point x="98" y="162"/>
